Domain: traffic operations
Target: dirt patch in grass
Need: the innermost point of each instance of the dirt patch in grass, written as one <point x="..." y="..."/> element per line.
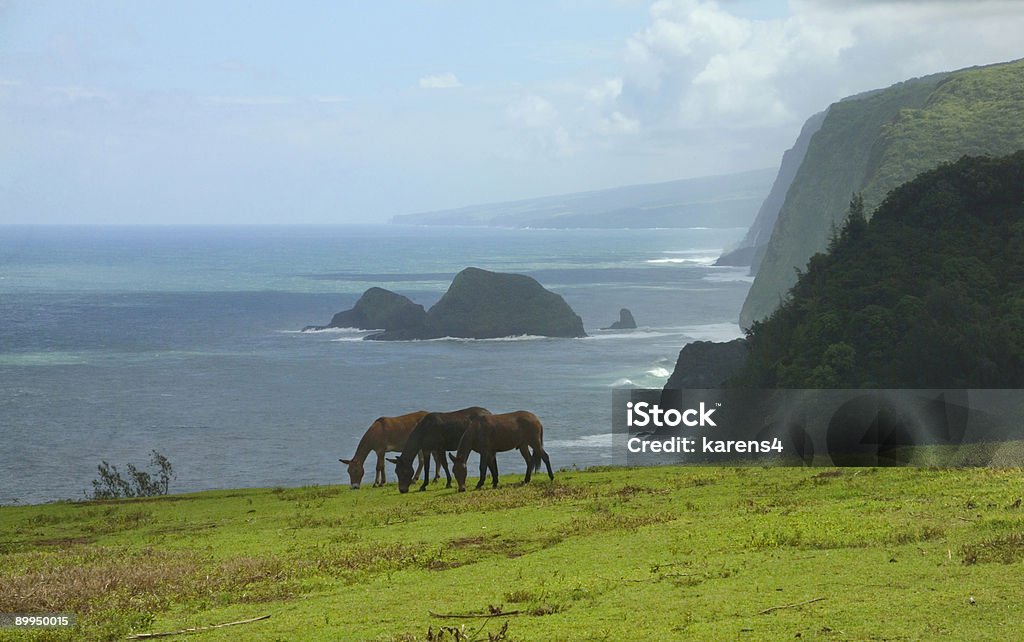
<point x="493" y="544"/>
<point x="92" y="579"/>
<point x="307" y="493"/>
<point x="117" y="580"/>
<point x="632" y="491"/>
<point x="63" y="541"/>
<point x="352" y="563"/>
<point x="119" y="521"/>
<point x="826" y="476"/>
<point x="1005" y="549"/>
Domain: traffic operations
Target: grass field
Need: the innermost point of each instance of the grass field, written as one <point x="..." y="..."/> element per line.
<point x="619" y="554"/>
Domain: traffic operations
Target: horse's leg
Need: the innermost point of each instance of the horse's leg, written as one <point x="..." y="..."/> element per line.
<point x="524" y="450"/>
<point x="378" y="475"/>
<point x="439" y="461"/>
<point x="547" y="463"/>
<point x="419" y="467"/>
<point x="440" y="456"/>
<point x="494" y="470"/>
<point x="483" y="471"/>
<point x="425" y="458"/>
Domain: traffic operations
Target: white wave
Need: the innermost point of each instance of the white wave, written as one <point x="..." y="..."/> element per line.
<point x="732" y="276"/>
<point x="659" y="372"/>
<point x="713" y="332"/>
<point x="604" y="440"/>
<point x="702" y="251"/>
<point x="601" y="335"/>
<point x="44" y="359"/>
<point x="697" y="260"/>
<point x="622" y="383"/>
<point x="345" y="339"/>
<point x="518" y="337"/>
<point x="331" y="331"/>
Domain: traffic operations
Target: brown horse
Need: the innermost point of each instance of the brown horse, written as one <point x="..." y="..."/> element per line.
<point x="437" y="432"/>
<point x="493" y="434"/>
<point x="386" y="434"/>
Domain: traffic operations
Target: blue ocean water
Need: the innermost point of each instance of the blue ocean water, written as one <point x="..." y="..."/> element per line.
<point x="118" y="341"/>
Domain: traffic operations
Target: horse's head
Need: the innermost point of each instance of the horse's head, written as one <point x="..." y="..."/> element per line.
<point x="404" y="472"/>
<point x="355" y="472"/>
<point x="460" y="471"/>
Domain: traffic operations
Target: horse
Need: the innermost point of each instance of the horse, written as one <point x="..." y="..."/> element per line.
<point x="385" y="434"/>
<point x="436" y="432"/>
<point x="492" y="434"/>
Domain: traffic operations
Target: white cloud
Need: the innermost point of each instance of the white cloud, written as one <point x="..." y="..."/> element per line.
<point x="700" y="81"/>
<point x="447" y="80"/>
<point x="542" y="123"/>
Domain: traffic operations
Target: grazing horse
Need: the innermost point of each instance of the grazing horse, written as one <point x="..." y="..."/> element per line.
<point x="497" y="433"/>
<point x="386" y="434"/>
<point x="437" y="432"/>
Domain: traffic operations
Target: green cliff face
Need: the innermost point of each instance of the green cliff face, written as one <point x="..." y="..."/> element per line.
<point x="928" y="294"/>
<point x="871" y="143"/>
<point x="751" y="249"/>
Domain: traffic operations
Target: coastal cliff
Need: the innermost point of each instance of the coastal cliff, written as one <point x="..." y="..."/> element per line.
<point x="871" y="143"/>
<point x="752" y="248"/>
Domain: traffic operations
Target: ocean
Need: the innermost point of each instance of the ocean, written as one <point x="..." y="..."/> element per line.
<point x="116" y="341"/>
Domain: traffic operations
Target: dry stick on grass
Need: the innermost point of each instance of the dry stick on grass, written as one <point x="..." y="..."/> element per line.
<point x="145" y="636"/>
<point x="789" y="606"/>
<point x="475" y="615"/>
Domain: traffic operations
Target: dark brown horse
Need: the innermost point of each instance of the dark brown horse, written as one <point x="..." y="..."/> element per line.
<point x="386" y="434"/>
<point x="437" y="432"/>
<point x="493" y="434"/>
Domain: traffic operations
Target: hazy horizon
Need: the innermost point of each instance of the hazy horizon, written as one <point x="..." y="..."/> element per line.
<point x="239" y="113"/>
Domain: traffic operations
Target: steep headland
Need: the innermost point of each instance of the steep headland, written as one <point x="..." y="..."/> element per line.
<point x="752" y="248"/>
<point x="873" y="142"/>
<point x="706" y="364"/>
<point x="927" y="294"/>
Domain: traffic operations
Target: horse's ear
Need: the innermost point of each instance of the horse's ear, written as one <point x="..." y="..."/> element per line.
<point x="345" y="461"/>
<point x="393" y="460"/>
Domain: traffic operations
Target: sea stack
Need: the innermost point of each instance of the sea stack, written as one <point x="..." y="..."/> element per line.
<point x="625" y="322"/>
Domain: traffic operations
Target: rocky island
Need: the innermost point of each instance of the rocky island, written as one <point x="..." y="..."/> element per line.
<point x="479" y="304"/>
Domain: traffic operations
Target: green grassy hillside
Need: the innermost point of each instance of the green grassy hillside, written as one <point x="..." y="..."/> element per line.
<point x="642" y="554"/>
<point x="875" y="142"/>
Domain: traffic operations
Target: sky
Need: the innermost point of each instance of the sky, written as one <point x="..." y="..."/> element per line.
<point x="196" y="112"/>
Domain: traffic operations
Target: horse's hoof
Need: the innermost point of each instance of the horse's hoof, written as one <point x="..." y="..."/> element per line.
<point x="448" y="485"/>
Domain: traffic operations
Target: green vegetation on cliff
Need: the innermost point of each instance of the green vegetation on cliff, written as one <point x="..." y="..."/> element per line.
<point x="870" y="144"/>
<point x="929" y="293"/>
